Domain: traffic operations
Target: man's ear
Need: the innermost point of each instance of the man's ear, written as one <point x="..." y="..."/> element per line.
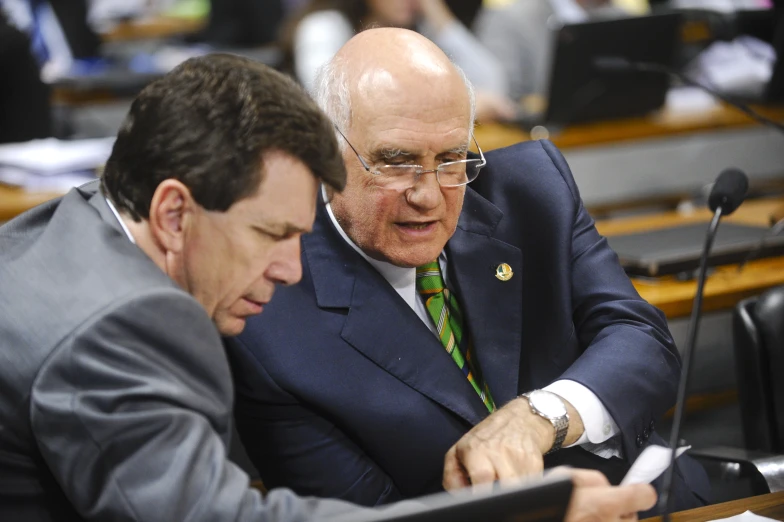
<point x="171" y="209"/>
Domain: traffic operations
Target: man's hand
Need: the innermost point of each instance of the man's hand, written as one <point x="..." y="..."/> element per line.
<point x="594" y="500"/>
<point x="509" y="443"/>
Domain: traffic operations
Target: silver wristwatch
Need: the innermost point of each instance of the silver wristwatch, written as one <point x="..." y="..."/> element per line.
<point x="550" y="406"/>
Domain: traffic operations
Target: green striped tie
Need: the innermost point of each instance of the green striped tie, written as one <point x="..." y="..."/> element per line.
<point x="444" y="311"/>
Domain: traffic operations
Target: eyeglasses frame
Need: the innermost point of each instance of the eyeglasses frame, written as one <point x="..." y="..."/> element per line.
<point x="421" y="170"/>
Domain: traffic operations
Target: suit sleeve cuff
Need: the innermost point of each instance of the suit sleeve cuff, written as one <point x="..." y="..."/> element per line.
<point x="597" y="421"/>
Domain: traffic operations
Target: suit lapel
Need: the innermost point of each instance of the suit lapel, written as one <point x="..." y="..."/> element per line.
<point x="492" y="308"/>
<point x="381" y="326"/>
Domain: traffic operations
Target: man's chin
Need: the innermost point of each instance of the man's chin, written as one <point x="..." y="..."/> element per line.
<point x="230" y="326"/>
<point x="413" y="259"/>
<point x="406" y="257"/>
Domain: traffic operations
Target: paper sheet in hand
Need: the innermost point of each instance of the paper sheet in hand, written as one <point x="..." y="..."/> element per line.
<point x="650" y="464"/>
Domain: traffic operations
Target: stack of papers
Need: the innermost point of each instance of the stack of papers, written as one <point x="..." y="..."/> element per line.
<point x="723" y="6"/>
<point x="52" y="164"/>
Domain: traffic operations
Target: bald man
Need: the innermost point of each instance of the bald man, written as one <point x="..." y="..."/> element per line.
<point x="459" y="319"/>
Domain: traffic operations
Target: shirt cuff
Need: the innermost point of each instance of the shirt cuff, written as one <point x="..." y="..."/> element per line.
<point x="597" y="421"/>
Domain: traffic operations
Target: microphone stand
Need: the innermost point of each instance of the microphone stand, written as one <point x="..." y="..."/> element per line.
<point x="680" y="402"/>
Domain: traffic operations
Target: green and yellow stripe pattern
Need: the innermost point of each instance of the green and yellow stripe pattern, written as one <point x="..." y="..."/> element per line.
<point x="445" y="312"/>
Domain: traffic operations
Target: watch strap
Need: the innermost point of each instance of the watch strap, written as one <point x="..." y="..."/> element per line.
<point x="561" y="425"/>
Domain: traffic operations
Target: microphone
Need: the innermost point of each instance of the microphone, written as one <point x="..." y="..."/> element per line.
<point x="729" y="191"/>
<point x="727" y="194"/>
<point x="619" y="64"/>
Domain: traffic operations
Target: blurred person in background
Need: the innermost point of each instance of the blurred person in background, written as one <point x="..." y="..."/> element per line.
<point x="25" y="111"/>
<point x="315" y="34"/>
<point x="58" y="32"/>
<point x="244" y="23"/>
<point x="520" y="33"/>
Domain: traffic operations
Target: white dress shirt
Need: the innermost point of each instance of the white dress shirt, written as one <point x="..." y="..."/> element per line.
<point x="119" y="219"/>
<point x="600" y="428"/>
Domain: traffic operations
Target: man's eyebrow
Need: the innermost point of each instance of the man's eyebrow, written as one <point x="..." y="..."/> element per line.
<point x="462" y="150"/>
<point x="281" y="229"/>
<point x="388" y="153"/>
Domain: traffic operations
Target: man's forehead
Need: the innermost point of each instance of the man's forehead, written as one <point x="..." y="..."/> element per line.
<point x="412" y="134"/>
<point x="379" y="90"/>
<point x="404" y="119"/>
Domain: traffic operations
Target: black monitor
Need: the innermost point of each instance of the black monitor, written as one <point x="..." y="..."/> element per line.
<point x="579" y="92"/>
<point x="243" y="23"/>
<point x="672" y="250"/>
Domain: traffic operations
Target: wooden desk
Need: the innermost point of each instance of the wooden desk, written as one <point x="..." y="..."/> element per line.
<point x="153" y="28"/>
<point x="14" y="201"/>
<point x="725" y="287"/>
<point x="661" y="124"/>
<point x="770" y="505"/>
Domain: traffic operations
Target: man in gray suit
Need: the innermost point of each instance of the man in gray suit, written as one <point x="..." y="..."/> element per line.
<point x="116" y="396"/>
<point x="115" y="393"/>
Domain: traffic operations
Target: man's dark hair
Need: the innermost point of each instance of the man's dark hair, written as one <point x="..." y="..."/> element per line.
<point x="208" y="124"/>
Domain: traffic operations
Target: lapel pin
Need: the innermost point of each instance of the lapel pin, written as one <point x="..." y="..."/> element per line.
<point x="504" y="272"/>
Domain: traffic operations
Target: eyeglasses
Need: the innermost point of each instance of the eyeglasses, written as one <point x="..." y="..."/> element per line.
<point x="400" y="177"/>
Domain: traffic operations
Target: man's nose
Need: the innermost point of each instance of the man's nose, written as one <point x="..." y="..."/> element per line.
<point x="426" y="191"/>
<point x="286" y="266"/>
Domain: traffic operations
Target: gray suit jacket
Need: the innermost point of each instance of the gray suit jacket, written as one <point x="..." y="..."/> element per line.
<point x="115" y="393"/>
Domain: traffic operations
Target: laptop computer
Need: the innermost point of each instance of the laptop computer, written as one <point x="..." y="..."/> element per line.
<point x="579" y="92"/>
<point x="536" y="501"/>
<point x="678" y="249"/>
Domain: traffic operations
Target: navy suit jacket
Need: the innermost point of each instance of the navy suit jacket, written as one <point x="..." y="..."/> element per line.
<point x="342" y="391"/>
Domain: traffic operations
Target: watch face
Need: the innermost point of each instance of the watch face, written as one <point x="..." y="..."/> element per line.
<point x="548" y="403"/>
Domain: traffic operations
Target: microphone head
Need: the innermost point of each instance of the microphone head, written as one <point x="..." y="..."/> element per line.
<point x="729" y="191"/>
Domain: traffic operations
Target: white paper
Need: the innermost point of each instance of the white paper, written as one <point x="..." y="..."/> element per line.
<point x="722" y="6"/>
<point x="52" y="156"/>
<point x="683" y="100"/>
<point x="746" y="516"/>
<point x="36" y="183"/>
<point x="650" y="464"/>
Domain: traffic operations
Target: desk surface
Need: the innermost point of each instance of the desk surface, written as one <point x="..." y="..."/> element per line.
<point x="14" y="201"/>
<point x="725" y="287"/>
<point x="770" y="505"/>
<point x="153" y="28"/>
<point x="661" y="124"/>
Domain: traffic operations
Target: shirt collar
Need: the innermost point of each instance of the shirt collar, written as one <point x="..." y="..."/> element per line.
<point x="119" y="219"/>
